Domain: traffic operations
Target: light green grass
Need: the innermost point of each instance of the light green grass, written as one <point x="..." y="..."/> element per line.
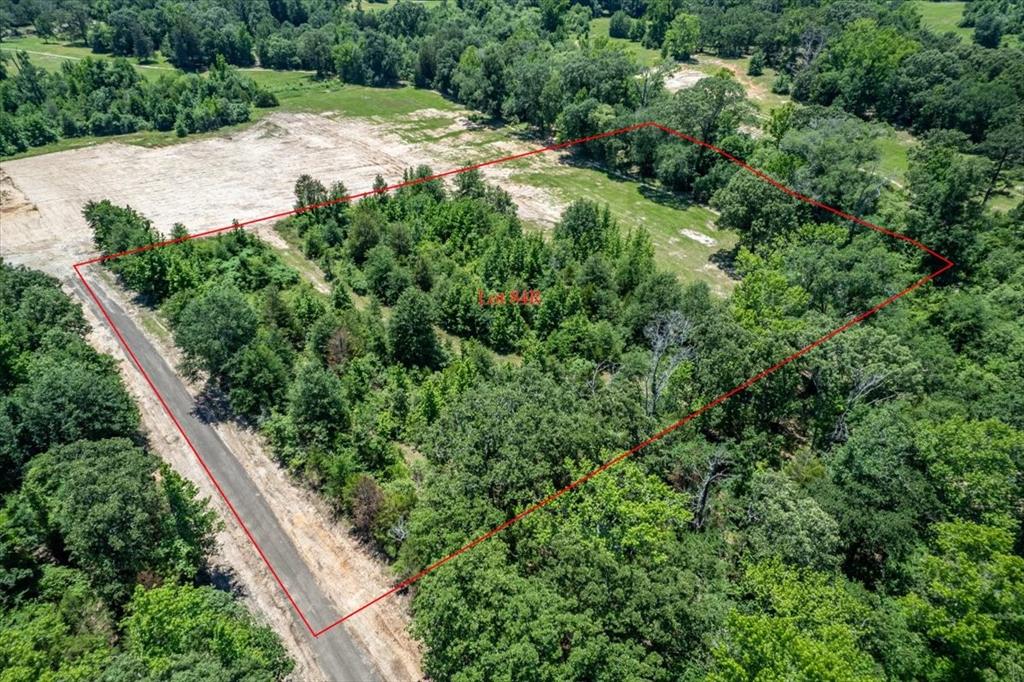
<point x="50" y="54"/>
<point x="943" y="17"/>
<point x="645" y="56"/>
<point x="299" y="91"/>
<point x="893" y="148"/>
<point x="296" y="90"/>
<point x="664" y="219"/>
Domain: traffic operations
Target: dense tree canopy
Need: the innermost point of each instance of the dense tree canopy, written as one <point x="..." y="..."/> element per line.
<point x="91" y="522"/>
<point x="855" y="516"/>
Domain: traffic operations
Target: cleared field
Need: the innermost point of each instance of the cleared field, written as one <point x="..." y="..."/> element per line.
<point x="644" y="55"/>
<point x="684" y="235"/>
<point x="296" y="91"/>
<point x="359" y="131"/>
<point x="943" y="17"/>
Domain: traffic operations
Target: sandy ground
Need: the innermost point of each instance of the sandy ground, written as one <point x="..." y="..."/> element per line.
<point x="683" y="77"/>
<point x="208" y="183"/>
<point x="342" y="566"/>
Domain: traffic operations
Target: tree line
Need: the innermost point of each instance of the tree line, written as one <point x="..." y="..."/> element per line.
<point x="529" y="61"/>
<point x="873" y="59"/>
<point x="857" y="515"/>
<point x="103" y="548"/>
<point x="535" y="64"/>
<point x="110" y="97"/>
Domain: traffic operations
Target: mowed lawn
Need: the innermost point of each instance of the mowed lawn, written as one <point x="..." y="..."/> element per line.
<point x="667" y="218"/>
<point x="943" y="17"/>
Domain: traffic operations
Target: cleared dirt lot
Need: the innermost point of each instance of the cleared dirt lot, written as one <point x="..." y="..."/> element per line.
<point x="211" y="182"/>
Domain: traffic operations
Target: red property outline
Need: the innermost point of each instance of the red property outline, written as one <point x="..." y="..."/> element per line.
<point x="947" y="264"/>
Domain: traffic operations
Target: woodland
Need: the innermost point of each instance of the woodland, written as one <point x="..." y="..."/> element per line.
<point x="104" y="571"/>
<point x="855" y="516"/>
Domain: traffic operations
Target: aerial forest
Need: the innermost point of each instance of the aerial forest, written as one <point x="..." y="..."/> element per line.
<point x="104" y="549"/>
<point x="855" y="516"/>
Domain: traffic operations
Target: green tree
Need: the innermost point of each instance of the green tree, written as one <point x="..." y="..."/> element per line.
<point x="969" y="601"/>
<point x="946" y="188"/>
<point x="167" y="623"/>
<point x="797" y="625"/>
<point x="988" y="30"/>
<point x="970" y="463"/>
<point x="212" y="327"/>
<point x="259" y="380"/>
<point x="65" y="399"/>
<point x="681" y="38"/>
<point x="316" y="405"/>
<point x="100" y="502"/>
<point x="781" y="521"/>
<point x="586" y="229"/>
<point x="411" y="338"/>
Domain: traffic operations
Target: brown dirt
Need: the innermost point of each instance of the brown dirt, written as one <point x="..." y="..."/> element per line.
<point x="210" y="182"/>
<point x="754" y="90"/>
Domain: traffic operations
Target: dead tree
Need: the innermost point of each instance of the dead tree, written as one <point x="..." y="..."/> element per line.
<point x="715" y="471"/>
<point x="668" y="335"/>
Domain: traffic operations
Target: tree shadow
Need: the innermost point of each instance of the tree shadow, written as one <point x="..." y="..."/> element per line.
<point x="224" y="579"/>
<point x="213" y="407"/>
<point x="665" y="197"/>
<point x="725" y="259"/>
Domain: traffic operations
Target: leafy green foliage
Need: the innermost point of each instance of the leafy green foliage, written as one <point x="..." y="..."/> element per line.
<point x="110" y="97"/>
<point x="212" y="327"/>
<point x="88" y="517"/>
<point x="167" y="624"/>
<point x="100" y="503"/>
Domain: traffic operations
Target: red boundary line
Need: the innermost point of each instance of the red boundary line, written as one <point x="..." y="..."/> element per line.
<point x="947" y="264"/>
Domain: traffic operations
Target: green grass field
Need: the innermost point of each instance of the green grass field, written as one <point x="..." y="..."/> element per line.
<point x="634" y="204"/>
<point x="50" y="54"/>
<point x="943" y="17"/>
<point x="645" y="56"/>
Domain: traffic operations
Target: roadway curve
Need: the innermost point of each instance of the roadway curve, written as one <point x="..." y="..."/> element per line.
<point x="339" y="658"/>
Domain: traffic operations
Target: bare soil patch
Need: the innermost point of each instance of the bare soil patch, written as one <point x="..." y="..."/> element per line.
<point x="210" y="182"/>
<point x="683" y="77"/>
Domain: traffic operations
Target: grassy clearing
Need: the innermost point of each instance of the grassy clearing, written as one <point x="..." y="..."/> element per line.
<point x="296" y="90"/>
<point x="299" y="91"/>
<point x="50" y="54"/>
<point x="666" y="218"/>
<point x="943" y="17"/>
<point x="645" y="56"/>
<point x="893" y="148"/>
<point x="758" y="88"/>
